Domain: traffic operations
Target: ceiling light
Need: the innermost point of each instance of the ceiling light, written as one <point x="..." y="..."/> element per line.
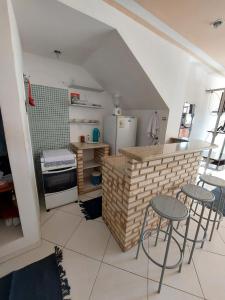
<point x="57" y="53"/>
<point x="217" y="23"/>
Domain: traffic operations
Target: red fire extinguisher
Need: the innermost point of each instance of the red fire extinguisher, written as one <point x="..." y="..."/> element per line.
<point x="31" y="100"/>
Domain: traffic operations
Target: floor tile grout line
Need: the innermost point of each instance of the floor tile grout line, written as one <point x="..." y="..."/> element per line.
<point x="80" y="253"/>
<point x="73" y="214"/>
<point x="221" y="236"/>
<point x="116" y="267"/>
<point x="100" y="266"/>
<point x="153" y="280"/>
<point x="82" y="220"/>
<point x="26" y="252"/>
<point x="42" y="239"/>
<point x="198" y="278"/>
<point x="62" y="245"/>
<point x="171" y="286"/>
<point x="178" y="289"/>
<point x="75" y="229"/>
<point x="156" y="281"/>
<point x="45" y="221"/>
<point x="65" y="247"/>
<point x="106" y="263"/>
<point x="101" y="262"/>
<point x="81" y="216"/>
<point x="46" y="240"/>
<point x="150" y="279"/>
<point x="211" y="252"/>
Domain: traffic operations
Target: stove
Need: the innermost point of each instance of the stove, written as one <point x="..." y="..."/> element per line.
<point x="59" y="173"/>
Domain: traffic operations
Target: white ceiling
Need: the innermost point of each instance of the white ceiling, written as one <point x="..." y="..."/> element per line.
<point x="192" y="20"/>
<point x="46" y="25"/>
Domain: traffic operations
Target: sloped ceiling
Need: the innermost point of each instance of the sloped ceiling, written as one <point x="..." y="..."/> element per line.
<point x="45" y="25"/>
<point x="114" y="66"/>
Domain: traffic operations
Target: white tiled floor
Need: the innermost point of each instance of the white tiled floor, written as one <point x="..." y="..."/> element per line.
<point x="98" y="270"/>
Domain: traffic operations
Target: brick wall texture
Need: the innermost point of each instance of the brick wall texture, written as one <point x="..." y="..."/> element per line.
<point x="129" y="186"/>
<point x="99" y="154"/>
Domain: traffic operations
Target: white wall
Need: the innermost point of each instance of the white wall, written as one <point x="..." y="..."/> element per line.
<point x="143" y="117"/>
<point x="55" y="73"/>
<point x="177" y="76"/>
<point x="12" y="97"/>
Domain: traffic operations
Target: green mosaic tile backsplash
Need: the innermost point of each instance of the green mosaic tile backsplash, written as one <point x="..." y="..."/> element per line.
<point x="49" y="122"/>
<point x="49" y="119"/>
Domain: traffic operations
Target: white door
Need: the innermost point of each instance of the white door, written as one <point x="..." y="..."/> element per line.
<point x="126" y="132"/>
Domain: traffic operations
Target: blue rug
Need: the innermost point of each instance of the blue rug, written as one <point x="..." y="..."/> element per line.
<point x="42" y="280"/>
<point x="92" y="209"/>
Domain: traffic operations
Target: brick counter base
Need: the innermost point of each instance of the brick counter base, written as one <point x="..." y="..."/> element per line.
<point x="129" y="186"/>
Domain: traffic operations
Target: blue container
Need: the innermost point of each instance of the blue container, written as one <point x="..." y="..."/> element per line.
<point x="96" y="178"/>
<point x="95" y="135"/>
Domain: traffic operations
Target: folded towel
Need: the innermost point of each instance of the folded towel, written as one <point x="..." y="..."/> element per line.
<point x="154" y="125"/>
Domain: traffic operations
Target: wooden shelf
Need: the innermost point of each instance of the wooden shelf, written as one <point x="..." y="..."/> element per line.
<point x="85" y="88"/>
<point x="85" y="167"/>
<point x="86" y="146"/>
<point x="83" y="122"/>
<point x="91" y="164"/>
<point x="89" y="105"/>
<point x="88" y="186"/>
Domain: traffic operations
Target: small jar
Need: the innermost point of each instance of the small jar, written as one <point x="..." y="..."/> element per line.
<point x="96" y="178"/>
<point x="82" y="139"/>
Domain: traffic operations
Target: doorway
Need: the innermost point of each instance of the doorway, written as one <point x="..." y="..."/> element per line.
<point x="10" y="227"/>
<point x="186" y="121"/>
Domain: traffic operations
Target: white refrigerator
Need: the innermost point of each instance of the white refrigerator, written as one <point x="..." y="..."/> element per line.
<point x="120" y="132"/>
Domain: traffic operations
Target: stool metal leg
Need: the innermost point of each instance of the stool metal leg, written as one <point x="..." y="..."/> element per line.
<point x="177" y="196"/>
<point x="142" y="230"/>
<point x="223" y="204"/>
<point x="216" y="214"/>
<point x="196" y="208"/>
<point x="197" y="202"/>
<point x="196" y="233"/>
<point x="167" y="230"/>
<point x="207" y="224"/>
<point x="185" y="241"/>
<point x="166" y="256"/>
<point x="192" y="202"/>
<point x="158" y="228"/>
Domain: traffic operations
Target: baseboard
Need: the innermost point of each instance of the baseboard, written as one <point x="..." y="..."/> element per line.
<point x="20" y="252"/>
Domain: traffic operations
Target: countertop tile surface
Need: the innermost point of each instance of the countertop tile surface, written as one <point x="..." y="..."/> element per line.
<point x="147" y="153"/>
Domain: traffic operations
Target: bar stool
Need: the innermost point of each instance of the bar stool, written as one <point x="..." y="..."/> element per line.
<point x="204" y="197"/>
<point x="173" y="210"/>
<point x="218" y="207"/>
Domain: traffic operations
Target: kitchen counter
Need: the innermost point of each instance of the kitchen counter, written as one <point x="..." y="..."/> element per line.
<point x="132" y="179"/>
<point x="147" y="153"/>
<point x="86" y="146"/>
